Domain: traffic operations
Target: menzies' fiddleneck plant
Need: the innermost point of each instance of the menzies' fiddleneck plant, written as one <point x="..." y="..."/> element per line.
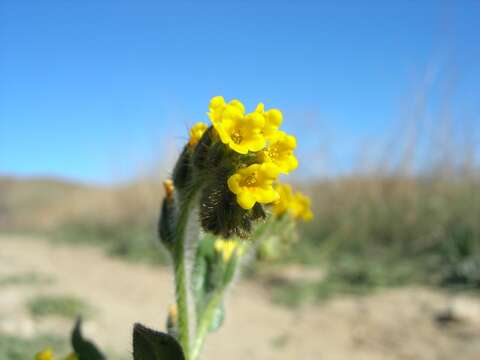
<point x="222" y="203"/>
<point x="223" y="178"/>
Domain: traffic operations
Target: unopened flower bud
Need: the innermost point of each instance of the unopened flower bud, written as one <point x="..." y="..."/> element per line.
<point x="172" y="320"/>
<point x="169" y="188"/>
<point x="208" y="153"/>
<point x="46" y="354"/>
<point x="196" y="133"/>
<point x="166" y="222"/>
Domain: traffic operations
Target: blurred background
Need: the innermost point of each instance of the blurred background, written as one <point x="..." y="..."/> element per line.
<point x="96" y="99"/>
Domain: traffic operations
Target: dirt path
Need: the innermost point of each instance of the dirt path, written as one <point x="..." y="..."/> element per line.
<point x="394" y="324"/>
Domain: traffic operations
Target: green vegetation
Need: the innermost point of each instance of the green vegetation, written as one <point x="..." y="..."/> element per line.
<point x="120" y="219"/>
<point x="57" y="305"/>
<point x="348" y="276"/>
<point x="280" y="341"/>
<point x="29" y="278"/>
<point x="382" y="232"/>
<point x="17" y="348"/>
<point x="133" y="241"/>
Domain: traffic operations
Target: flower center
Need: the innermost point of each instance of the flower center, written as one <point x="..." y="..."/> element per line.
<point x="237" y="137"/>
<point x="251" y="179"/>
<point x="273" y="152"/>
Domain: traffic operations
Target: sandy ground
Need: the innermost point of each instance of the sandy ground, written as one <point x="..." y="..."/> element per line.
<point x="393" y="324"/>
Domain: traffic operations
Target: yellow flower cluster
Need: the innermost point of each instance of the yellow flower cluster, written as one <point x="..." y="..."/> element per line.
<point x="243" y="132"/>
<point x="47" y="354"/>
<point x="256" y="132"/>
<point x="227" y="248"/>
<point x="296" y="204"/>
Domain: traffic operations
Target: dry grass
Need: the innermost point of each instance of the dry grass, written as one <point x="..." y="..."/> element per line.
<point x="121" y="219"/>
<point x="45" y="204"/>
<point x="410" y="214"/>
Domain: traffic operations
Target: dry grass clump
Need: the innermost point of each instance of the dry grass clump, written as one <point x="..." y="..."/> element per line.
<point x="120" y="218"/>
<point x="46" y="204"/>
<point x="407" y="215"/>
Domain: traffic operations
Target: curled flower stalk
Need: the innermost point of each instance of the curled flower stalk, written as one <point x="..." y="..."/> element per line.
<point x="225" y="181"/>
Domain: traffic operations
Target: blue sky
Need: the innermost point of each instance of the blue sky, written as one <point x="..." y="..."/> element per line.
<point x="96" y="91"/>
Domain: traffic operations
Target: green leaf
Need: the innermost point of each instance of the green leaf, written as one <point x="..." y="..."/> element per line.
<point x="154" y="345"/>
<point x="217" y="318"/>
<point x="84" y="349"/>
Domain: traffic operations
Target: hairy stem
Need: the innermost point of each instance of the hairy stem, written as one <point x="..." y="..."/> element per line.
<point x="205" y="321"/>
<point x="182" y="276"/>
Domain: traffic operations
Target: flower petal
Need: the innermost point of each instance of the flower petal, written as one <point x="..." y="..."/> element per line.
<point x="216" y="102"/>
<point x="238" y="104"/>
<point x="256" y="142"/>
<point x="233" y="183"/>
<point x="292" y="163"/>
<point x="240" y="148"/>
<point x="274" y="117"/>
<point x="267" y="195"/>
<point x="270" y="171"/>
<point x="255" y="120"/>
<point x="246" y="200"/>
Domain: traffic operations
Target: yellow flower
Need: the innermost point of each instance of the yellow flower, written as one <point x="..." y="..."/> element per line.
<point x="273" y="120"/>
<point x="254" y="184"/>
<point x="301" y="207"/>
<point x="227" y="248"/>
<point x="280" y="152"/>
<point x="217" y="107"/>
<point x="282" y="205"/>
<point x="296" y="204"/>
<point x="196" y="133"/>
<point x="46" y="354"/>
<point x="242" y="133"/>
